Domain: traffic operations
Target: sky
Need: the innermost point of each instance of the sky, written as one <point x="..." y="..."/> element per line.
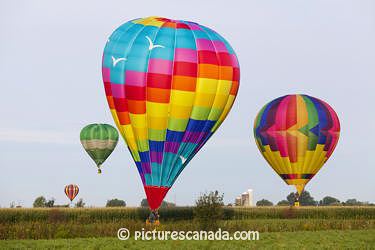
<point x="51" y="87"/>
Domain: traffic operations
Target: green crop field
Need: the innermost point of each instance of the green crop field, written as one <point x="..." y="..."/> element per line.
<point x="332" y="239"/>
<point x="96" y="228"/>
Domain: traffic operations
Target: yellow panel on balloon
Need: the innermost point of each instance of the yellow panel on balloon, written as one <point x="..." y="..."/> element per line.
<point x="179" y="111"/>
<point x="183" y="98"/>
<point x="155" y="23"/>
<point x="140" y="133"/>
<point x="300" y="161"/>
<point x="308" y="156"/>
<point x="157" y="109"/>
<point x="224" y="87"/>
<point x="138" y="120"/>
<point x="157" y="122"/>
<point x="129" y="136"/>
<point x="271" y="158"/>
<point x="151" y="21"/>
<point x="227" y="107"/>
<point x="204" y="100"/>
<point x="115" y="118"/>
<point x="286" y="167"/>
<point x="302" y="114"/>
<point x="293" y="168"/>
<point x="321" y="161"/>
<point x="284" y="164"/>
<point x="302" y="141"/>
<point x="205" y="85"/>
<point x="316" y="159"/>
<point x="220" y="101"/>
<point x="278" y="160"/>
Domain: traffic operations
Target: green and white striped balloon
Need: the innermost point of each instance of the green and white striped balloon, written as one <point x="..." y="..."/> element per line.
<point x="99" y="140"/>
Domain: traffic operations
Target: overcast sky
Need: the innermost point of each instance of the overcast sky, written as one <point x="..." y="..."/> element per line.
<point x="50" y="68"/>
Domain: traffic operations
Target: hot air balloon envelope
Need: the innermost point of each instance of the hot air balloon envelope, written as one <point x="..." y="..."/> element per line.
<point x="71" y="191"/>
<point x="297" y="134"/>
<point x="169" y="85"/>
<point x="99" y="140"/>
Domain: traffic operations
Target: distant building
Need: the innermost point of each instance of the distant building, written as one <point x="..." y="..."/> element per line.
<point x="251" y="197"/>
<point x="246" y="199"/>
<point x="238" y="201"/>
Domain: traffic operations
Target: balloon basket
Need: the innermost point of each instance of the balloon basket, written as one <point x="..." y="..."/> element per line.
<point x="99" y="171"/>
<point x="154" y="224"/>
<point x="153" y="219"/>
<point x="296" y="204"/>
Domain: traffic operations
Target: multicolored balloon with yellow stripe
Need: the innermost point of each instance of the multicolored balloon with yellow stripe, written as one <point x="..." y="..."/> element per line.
<point x="71" y="191"/>
<point x="99" y="140"/>
<point x="297" y="134"/>
<point x="169" y="85"/>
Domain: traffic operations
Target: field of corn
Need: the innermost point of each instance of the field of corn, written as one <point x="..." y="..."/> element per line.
<point x="331" y="239"/>
<point x="50" y="223"/>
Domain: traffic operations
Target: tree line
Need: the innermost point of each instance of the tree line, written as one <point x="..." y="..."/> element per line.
<point x="41" y="201"/>
<point x="306" y="199"/>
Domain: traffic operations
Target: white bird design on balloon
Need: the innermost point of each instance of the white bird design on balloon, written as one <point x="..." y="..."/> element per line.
<point x="183" y="159"/>
<point x="152" y="45"/>
<point x="117" y="60"/>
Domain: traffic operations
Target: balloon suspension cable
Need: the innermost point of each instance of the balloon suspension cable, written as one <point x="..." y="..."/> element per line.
<point x="296" y="200"/>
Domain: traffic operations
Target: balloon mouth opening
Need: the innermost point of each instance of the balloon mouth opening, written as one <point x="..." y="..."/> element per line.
<point x="155" y="196"/>
<point x="300" y="188"/>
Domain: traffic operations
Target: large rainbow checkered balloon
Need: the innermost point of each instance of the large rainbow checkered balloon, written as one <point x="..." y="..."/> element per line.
<point x="169" y="85"/>
<point x="297" y="134"/>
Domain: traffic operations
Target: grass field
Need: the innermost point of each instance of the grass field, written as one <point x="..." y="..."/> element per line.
<point x="350" y="239"/>
<point x="95" y="228"/>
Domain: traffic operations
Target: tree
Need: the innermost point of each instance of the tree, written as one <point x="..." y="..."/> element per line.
<point x="329" y="201"/>
<point x="305" y="199"/>
<point x="144" y="203"/>
<point x="115" y="203"/>
<point x="264" y="202"/>
<point x="64" y="205"/>
<point x="283" y="203"/>
<point x="50" y="202"/>
<point x="80" y="203"/>
<point x="166" y="204"/>
<point x="353" y="202"/>
<point x="209" y="210"/>
<point x="40" y="202"/>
